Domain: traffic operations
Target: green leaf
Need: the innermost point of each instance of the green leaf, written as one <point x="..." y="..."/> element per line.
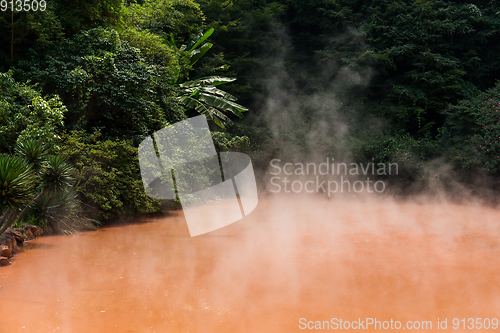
<point x="221" y="103"/>
<point x="202" y="39"/>
<point x="16" y="183"/>
<point x="208" y="80"/>
<point x="198" y="53"/>
<point x="218" y="117"/>
<point x="188" y="101"/>
<point x="213" y="90"/>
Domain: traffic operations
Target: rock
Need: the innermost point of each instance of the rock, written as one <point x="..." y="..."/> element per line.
<point x="18" y="235"/>
<point x="10" y="242"/>
<point x="13" y="239"/>
<point x="4" y="261"/>
<point x="15" y="248"/>
<point x="28" y="234"/>
<point x="6" y="240"/>
<point x="5" y="251"/>
<point x="36" y="230"/>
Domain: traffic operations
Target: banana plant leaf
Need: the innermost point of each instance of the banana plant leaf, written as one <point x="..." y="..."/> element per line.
<point x="208" y="80"/>
<point x="223" y="104"/>
<point x="211" y="90"/>
<point x="200" y="52"/>
<point x="202" y="39"/>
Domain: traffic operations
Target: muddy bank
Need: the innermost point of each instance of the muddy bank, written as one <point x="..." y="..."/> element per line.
<point x="13" y="239"/>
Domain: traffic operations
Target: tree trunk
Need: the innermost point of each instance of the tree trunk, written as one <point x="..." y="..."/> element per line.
<point x="38" y="197"/>
<point x="12" y="40"/>
<point x="4" y="217"/>
<point x="10" y="222"/>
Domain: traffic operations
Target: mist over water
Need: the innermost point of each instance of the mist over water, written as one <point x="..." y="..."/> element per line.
<point x="313" y="111"/>
<point x="293" y="257"/>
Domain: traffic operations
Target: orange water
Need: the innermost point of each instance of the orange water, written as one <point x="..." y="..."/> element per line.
<point x="290" y="259"/>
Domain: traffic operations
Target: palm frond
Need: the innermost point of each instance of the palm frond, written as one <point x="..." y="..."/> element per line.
<point x="33" y="151"/>
<point x="57" y="174"/>
<point x="16" y="183"/>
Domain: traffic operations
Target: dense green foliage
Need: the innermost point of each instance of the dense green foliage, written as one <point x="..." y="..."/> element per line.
<point x="106" y="84"/>
<point x="473" y="132"/>
<point x="32" y="181"/>
<point x="411" y="82"/>
<point x="25" y="114"/>
<point x="107" y="174"/>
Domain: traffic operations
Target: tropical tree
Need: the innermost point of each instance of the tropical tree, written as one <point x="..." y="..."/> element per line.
<point x="61" y="212"/>
<point x="52" y="172"/>
<point x="34" y="152"/>
<point x="16" y="189"/>
<point x="29" y="177"/>
<point x="202" y="94"/>
<point x="109" y="84"/>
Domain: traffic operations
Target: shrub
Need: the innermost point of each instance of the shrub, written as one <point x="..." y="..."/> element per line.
<point x="108" y="84"/>
<point x="108" y="175"/>
<point x="25" y="114"/>
<point x="473" y="132"/>
<point x="409" y="153"/>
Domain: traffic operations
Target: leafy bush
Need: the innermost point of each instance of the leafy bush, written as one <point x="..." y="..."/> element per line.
<point x="473" y="132"/>
<point x="225" y="141"/>
<point x="107" y="84"/>
<point x="163" y="17"/>
<point x="25" y="114"/>
<point x="108" y="175"/>
<point x="409" y="153"/>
